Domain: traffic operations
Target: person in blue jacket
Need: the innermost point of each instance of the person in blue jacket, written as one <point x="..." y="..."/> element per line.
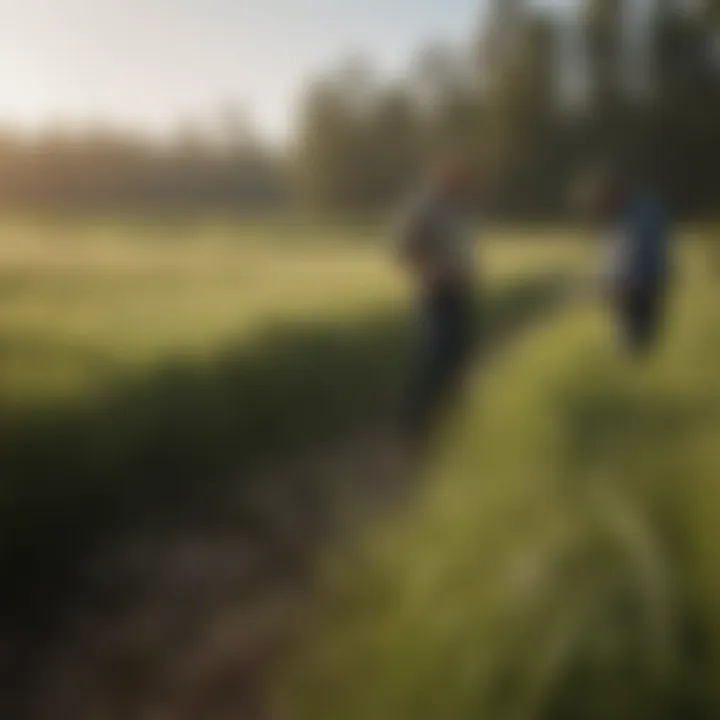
<point x="639" y="261"/>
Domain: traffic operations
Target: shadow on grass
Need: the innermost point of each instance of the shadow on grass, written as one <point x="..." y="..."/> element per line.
<point x="159" y="444"/>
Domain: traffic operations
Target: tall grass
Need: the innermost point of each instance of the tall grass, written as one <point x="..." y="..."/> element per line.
<point x="197" y="362"/>
<point x="82" y="303"/>
<point x="560" y="562"/>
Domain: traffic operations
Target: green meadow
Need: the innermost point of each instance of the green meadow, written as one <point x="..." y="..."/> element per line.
<point x="560" y="558"/>
<point x="557" y="558"/>
<point x="143" y="366"/>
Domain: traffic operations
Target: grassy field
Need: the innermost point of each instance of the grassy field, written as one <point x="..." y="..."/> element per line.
<point x="82" y="303"/>
<point x="79" y="306"/>
<point x="141" y="365"/>
<point x="561" y="560"/>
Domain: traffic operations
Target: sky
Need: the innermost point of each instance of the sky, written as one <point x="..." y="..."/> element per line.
<point x="148" y="63"/>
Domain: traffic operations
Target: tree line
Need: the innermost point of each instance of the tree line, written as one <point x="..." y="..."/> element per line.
<point x="532" y="99"/>
<point x="105" y="169"/>
<point x="535" y="100"/>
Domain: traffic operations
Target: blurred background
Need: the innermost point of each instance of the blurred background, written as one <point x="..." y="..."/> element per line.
<point x="315" y="105"/>
<point x="205" y="511"/>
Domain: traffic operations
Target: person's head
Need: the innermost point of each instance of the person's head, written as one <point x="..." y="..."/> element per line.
<point x="616" y="191"/>
<point x="603" y="191"/>
<point x="627" y="177"/>
<point x="453" y="176"/>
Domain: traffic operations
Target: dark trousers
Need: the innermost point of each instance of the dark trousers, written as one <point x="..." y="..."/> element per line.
<point x="445" y="339"/>
<point x="639" y="314"/>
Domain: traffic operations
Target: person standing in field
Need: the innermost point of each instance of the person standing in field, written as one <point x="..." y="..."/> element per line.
<point x="639" y="261"/>
<point x="437" y="248"/>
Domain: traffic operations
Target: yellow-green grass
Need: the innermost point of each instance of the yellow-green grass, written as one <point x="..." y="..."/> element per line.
<point x="561" y="560"/>
<point x="143" y="365"/>
<point x="80" y="303"/>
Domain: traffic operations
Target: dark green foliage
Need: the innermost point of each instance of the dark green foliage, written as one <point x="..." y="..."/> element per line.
<point x="543" y="99"/>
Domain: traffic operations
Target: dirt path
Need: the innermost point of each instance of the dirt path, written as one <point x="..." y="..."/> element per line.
<point x="188" y="625"/>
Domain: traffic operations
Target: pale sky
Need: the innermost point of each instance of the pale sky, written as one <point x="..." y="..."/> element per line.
<point x="149" y="62"/>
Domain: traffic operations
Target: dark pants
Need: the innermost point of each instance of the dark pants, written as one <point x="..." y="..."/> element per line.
<point x="446" y="333"/>
<point x="640" y="315"/>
